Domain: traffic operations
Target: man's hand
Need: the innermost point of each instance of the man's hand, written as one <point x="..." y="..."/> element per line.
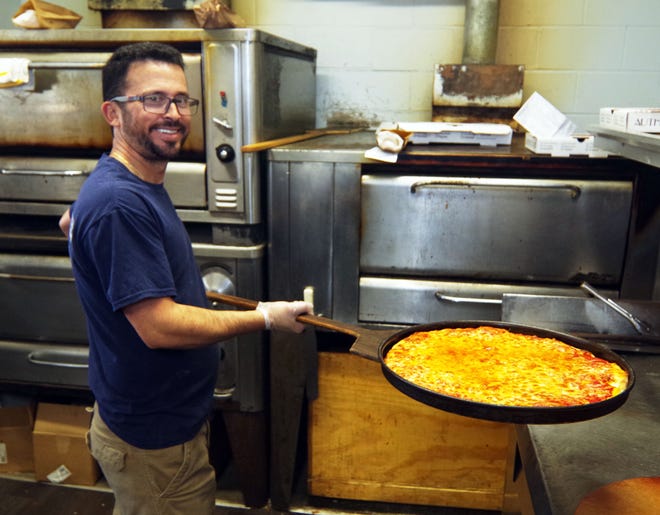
<point x="281" y="315"/>
<point x="65" y="222"/>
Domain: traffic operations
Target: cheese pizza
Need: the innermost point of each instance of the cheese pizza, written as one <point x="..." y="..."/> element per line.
<point x="496" y="366"/>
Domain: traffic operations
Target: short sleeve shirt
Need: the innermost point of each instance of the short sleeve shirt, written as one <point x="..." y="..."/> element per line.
<point x="127" y="244"/>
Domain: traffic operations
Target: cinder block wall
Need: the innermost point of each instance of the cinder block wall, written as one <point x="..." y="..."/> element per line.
<point x="376" y="57"/>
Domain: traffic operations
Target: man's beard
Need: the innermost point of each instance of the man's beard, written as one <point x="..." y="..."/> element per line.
<point x="147" y="148"/>
<point x="168" y="151"/>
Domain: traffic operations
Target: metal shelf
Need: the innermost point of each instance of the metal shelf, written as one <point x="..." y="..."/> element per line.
<point x="641" y="147"/>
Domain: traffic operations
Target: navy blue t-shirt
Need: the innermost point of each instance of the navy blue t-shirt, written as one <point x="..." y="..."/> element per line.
<point x="127" y="244"/>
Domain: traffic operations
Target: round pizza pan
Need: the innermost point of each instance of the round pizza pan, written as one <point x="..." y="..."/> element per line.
<point x="511" y="414"/>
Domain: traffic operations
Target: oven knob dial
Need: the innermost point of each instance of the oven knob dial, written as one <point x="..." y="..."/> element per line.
<point x="225" y="153"/>
<point x="217" y="280"/>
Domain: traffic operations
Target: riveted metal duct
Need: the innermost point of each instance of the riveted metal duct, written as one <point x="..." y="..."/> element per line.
<point x="480" y="31"/>
<point x="478" y="89"/>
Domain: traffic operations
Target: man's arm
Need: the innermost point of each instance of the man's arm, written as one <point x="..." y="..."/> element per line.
<point x="163" y="323"/>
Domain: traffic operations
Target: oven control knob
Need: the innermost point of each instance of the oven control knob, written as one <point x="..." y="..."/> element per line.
<point x="217" y="280"/>
<point x="225" y="153"/>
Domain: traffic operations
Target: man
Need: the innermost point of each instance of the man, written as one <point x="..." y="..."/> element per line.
<point x="152" y="362"/>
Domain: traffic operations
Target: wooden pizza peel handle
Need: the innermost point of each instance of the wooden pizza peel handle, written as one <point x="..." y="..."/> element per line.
<point x="367" y="341"/>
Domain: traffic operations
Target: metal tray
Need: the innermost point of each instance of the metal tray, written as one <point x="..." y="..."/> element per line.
<point x="511" y="414"/>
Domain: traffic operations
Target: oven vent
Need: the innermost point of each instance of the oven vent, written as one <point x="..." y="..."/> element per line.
<point x="478" y="90"/>
<point x="226" y="198"/>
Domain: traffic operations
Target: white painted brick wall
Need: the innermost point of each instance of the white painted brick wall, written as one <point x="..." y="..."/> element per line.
<point x="376" y="57"/>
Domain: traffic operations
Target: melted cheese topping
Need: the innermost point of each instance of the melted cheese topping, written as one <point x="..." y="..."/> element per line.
<point x="495" y="366"/>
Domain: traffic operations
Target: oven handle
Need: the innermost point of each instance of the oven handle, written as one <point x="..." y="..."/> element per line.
<point x="55" y="359"/>
<point x="49" y="173"/>
<point x="25" y="277"/>
<point x="472" y="300"/>
<point x="574" y="191"/>
<point x="63" y="65"/>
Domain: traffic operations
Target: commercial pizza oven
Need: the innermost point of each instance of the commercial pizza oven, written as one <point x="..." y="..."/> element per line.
<point x="445" y="232"/>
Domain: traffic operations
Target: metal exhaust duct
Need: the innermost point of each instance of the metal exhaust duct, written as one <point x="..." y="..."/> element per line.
<point x="478" y="89"/>
<point x="480" y="31"/>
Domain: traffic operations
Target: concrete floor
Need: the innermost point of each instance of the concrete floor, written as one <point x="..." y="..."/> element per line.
<point x="20" y="495"/>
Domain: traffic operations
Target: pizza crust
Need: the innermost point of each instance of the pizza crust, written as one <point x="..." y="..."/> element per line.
<point x="496" y="366"/>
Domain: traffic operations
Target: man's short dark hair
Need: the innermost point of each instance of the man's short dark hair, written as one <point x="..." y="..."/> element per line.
<point x="115" y="70"/>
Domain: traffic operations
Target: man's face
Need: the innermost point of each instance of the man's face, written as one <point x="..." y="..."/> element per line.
<point x="156" y="137"/>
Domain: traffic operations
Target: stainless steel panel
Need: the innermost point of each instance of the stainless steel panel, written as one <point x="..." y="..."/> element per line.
<point x="264" y="91"/>
<point x="48" y="180"/>
<point x="42" y="179"/>
<point x="313" y="235"/>
<point x="575" y="314"/>
<point x="418" y="301"/>
<point x="38" y="300"/>
<point x="544" y="230"/>
<point x="641" y="147"/>
<point x="186" y="184"/>
<point x="43" y="363"/>
<point x="63" y="102"/>
<point x="93" y="38"/>
<point x="43" y="336"/>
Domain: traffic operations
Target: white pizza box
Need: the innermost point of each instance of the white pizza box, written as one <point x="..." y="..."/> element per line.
<point x="549" y="131"/>
<point x="631" y="119"/>
<point x="425" y="133"/>
<point x="558" y="146"/>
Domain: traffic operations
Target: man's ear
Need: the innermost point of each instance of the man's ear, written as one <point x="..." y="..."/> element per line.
<point x="111" y="113"/>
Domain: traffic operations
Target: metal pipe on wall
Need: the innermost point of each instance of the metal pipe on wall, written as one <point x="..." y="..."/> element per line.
<point x="480" y="31"/>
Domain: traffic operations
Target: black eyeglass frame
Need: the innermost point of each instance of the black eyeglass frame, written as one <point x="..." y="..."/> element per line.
<point x="191" y="103"/>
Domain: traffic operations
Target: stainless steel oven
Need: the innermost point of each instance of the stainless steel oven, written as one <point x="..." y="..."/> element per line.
<point x="43" y="339"/>
<point x="445" y="232"/>
<point x="455" y="244"/>
<point x="254" y="86"/>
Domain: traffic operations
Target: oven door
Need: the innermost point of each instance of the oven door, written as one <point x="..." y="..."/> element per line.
<point x="64" y="94"/>
<point x="503" y="229"/>
<point x="43" y="337"/>
<point x="411" y="301"/>
<point x="42" y="327"/>
<point x="46" y="186"/>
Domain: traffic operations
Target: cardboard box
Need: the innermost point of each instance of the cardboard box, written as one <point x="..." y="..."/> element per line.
<point x="61" y="454"/>
<point x="16" y="453"/>
<point x="631" y="119"/>
<point x="560" y="146"/>
<point x="427" y="133"/>
<point x="549" y="131"/>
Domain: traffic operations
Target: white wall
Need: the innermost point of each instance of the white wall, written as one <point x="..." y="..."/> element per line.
<point x="376" y="57"/>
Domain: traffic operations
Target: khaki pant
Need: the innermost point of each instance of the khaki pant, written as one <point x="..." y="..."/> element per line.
<point x="177" y="480"/>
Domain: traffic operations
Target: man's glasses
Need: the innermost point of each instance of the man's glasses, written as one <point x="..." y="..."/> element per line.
<point x="160" y="104"/>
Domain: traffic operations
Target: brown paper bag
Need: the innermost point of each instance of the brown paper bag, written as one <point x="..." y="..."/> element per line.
<point x="48" y="16"/>
<point x="214" y="14"/>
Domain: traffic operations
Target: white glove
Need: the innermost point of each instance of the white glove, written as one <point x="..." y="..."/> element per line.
<point x="281" y="315"/>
